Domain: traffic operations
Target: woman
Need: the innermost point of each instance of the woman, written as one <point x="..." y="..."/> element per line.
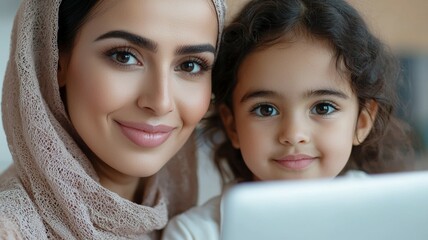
<point x="95" y="103"/>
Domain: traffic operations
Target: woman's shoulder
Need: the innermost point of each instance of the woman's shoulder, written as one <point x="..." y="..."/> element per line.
<point x="199" y="222"/>
<point x="17" y="211"/>
<point x="11" y="188"/>
<point x="9" y="230"/>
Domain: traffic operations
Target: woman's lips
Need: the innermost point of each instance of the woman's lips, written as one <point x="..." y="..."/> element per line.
<point x="296" y="162"/>
<point x="145" y="135"/>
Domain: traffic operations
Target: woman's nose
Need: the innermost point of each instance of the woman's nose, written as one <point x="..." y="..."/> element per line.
<point x="156" y="93"/>
<point x="294" y="130"/>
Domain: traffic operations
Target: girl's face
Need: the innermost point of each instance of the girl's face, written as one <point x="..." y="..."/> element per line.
<point x="138" y="80"/>
<point x="294" y="114"/>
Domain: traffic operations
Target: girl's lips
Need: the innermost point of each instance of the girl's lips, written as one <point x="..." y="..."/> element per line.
<point x="145" y="135"/>
<point x="296" y="162"/>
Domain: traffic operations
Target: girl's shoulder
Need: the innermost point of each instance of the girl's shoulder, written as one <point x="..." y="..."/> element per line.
<point x="355" y="174"/>
<point x="199" y="222"/>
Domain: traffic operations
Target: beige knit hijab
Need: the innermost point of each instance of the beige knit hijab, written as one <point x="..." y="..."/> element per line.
<point x="52" y="189"/>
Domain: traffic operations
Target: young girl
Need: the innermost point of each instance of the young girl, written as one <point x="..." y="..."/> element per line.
<point x="303" y="91"/>
<point x="95" y="103"/>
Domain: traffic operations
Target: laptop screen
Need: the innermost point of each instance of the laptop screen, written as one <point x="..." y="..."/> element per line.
<point x="383" y="206"/>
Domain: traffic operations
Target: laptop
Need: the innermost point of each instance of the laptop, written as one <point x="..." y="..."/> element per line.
<point x="391" y="206"/>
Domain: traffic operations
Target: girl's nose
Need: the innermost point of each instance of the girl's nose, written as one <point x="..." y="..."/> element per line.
<point x="293" y="131"/>
<point x="156" y="95"/>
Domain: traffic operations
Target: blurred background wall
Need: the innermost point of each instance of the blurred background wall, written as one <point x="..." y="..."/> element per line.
<point x="400" y="23"/>
<point x="8" y="9"/>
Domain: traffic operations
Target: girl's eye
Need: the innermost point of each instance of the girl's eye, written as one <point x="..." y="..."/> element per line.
<point x="323" y="109"/>
<point x="123" y="57"/>
<point x="265" y="110"/>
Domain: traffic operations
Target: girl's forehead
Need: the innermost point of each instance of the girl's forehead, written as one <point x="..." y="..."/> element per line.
<point x="291" y="64"/>
<point x="300" y="42"/>
<point x="300" y="51"/>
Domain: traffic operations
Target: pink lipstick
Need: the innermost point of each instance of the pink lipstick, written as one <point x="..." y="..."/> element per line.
<point x="296" y="161"/>
<point x="145" y="135"/>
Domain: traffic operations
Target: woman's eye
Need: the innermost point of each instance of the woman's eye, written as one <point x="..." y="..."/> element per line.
<point x="265" y="110"/>
<point x="323" y="109"/>
<point x="193" y="66"/>
<point x="124" y="58"/>
<point x="190" y="67"/>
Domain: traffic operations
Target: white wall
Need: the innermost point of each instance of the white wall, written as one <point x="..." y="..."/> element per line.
<point x="8" y="9"/>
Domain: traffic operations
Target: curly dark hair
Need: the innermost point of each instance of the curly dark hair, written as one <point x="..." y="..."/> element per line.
<point x="374" y="72"/>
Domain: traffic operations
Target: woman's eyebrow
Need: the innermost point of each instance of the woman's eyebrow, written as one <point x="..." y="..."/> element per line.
<point x="189" y="49"/>
<point x="152" y="46"/>
<point x="133" y="38"/>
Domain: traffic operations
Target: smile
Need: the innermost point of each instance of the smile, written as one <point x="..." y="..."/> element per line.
<point x="296" y="162"/>
<point x="145" y="135"/>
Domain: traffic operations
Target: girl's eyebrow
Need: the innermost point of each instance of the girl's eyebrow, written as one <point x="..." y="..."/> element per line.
<point x="152" y="46"/>
<point x="257" y="94"/>
<point x="327" y="92"/>
<point x="311" y="93"/>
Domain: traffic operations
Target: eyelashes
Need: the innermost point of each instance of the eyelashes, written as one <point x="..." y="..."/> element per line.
<point x="123" y="56"/>
<point x="264" y="110"/>
<point x="323" y="108"/>
<point x="127" y="57"/>
<point x="194" y="66"/>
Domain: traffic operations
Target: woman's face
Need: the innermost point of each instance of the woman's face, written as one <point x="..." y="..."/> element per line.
<point x="138" y="80"/>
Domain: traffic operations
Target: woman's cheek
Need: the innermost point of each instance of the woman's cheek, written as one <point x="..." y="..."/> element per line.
<point x="194" y="102"/>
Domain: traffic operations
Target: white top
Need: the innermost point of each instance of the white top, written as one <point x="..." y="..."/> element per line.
<point x="203" y="222"/>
